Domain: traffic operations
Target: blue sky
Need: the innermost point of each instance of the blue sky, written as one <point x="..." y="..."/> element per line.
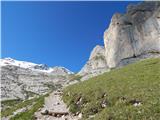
<point x="55" y="33"/>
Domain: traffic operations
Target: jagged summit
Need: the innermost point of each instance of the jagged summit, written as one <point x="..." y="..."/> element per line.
<point x="61" y="70"/>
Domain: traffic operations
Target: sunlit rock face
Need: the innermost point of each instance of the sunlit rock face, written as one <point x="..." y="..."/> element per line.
<point x="96" y="64"/>
<point x="130" y="37"/>
<point x="133" y="34"/>
<point x="21" y="79"/>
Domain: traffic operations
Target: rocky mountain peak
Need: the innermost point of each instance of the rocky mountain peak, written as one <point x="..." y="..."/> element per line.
<point x="97" y="51"/>
<point x="41" y="67"/>
<point x="133" y="34"/>
<point x="61" y="70"/>
<point x="130" y="37"/>
<point x="96" y="63"/>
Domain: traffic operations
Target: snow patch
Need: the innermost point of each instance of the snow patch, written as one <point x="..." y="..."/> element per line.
<point x="33" y="66"/>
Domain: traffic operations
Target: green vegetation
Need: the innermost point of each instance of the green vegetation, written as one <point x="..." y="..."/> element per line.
<point x="29" y="114"/>
<point x="113" y="95"/>
<point x="53" y="86"/>
<point x="100" y="57"/>
<point x="30" y="94"/>
<point x="15" y="105"/>
<point x="75" y="77"/>
<point x="10" y="102"/>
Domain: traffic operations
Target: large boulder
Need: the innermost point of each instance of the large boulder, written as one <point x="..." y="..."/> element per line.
<point x="133" y="34"/>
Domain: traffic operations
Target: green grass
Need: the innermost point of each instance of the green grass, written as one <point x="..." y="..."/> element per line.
<point x="139" y="81"/>
<point x="10" y="102"/>
<point x="75" y="77"/>
<point x="99" y="57"/>
<point x="15" y="105"/>
<point x="29" y="114"/>
<point x="30" y="94"/>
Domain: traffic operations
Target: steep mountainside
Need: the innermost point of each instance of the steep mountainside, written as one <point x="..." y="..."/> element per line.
<point x="133" y="35"/>
<point x="130" y="37"/>
<point x="127" y="93"/>
<point x="22" y="79"/>
<point x="124" y="93"/>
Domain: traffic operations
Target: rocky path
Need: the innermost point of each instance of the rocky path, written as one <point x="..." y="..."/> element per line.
<point x="55" y="109"/>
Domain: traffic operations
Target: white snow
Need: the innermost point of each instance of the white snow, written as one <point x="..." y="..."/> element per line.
<point x="10" y="61"/>
<point x="29" y="65"/>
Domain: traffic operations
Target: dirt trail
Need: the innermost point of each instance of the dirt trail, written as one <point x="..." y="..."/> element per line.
<point x="55" y="109"/>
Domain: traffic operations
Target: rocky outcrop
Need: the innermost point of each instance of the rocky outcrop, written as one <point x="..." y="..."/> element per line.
<point x="21" y="80"/>
<point x="130" y="37"/>
<point x="96" y="64"/>
<point x="58" y="70"/>
<point x="134" y="34"/>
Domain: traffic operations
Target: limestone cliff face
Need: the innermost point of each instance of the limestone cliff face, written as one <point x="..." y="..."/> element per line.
<point x="133" y="34"/>
<point x="130" y="37"/>
<point x="96" y="64"/>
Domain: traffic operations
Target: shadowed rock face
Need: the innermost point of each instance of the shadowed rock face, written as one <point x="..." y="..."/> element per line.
<point x="133" y="34"/>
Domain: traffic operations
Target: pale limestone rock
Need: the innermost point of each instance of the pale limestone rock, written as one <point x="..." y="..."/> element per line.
<point x="133" y="34"/>
<point x="20" y="79"/>
<point x="96" y="64"/>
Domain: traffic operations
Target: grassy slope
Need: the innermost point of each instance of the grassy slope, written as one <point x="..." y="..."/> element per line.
<point x="139" y="81"/>
<point x="15" y="105"/>
<point x="29" y="115"/>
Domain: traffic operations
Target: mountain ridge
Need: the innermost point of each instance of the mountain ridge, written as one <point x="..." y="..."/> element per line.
<point x="20" y="78"/>
<point x="32" y="66"/>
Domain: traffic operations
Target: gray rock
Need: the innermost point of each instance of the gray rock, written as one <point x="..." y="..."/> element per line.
<point x="130" y="37"/>
<point x="132" y="34"/>
<point x="96" y="64"/>
<point x="41" y="67"/>
<point x="22" y="80"/>
<point x="58" y="70"/>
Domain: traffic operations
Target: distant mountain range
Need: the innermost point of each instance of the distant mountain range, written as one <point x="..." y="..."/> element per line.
<point x="21" y="79"/>
<point x="35" y="67"/>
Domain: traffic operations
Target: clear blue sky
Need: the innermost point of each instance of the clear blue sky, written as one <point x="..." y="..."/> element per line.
<point x="55" y="33"/>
